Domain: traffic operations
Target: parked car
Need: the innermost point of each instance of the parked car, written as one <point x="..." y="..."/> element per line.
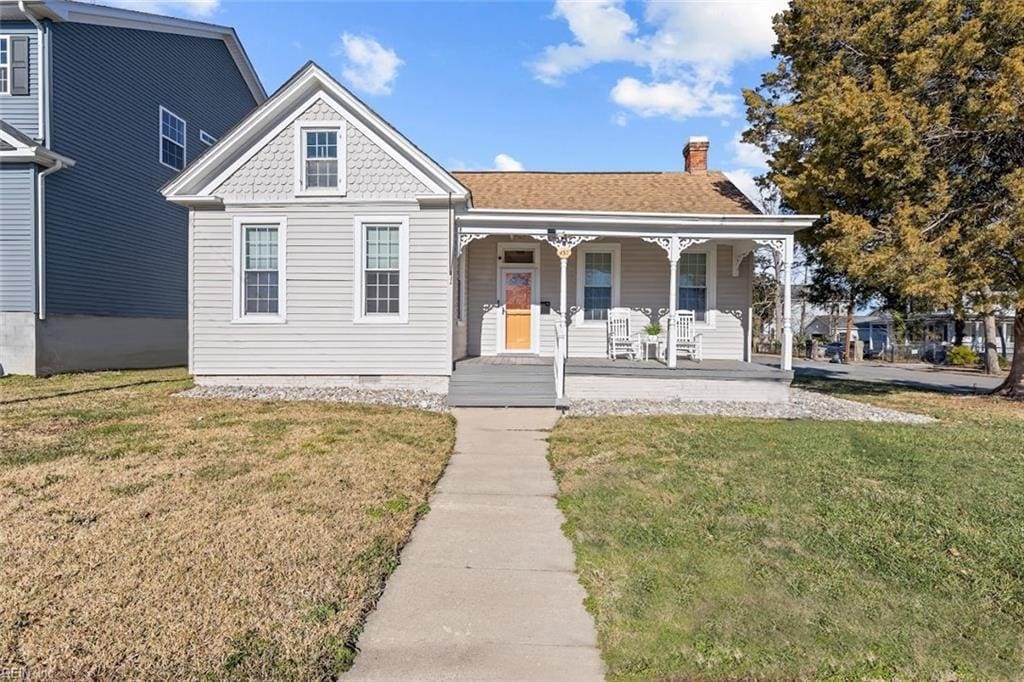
<point x="836" y="351"/>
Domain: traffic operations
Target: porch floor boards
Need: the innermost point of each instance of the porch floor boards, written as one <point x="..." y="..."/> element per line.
<point x="512" y="384"/>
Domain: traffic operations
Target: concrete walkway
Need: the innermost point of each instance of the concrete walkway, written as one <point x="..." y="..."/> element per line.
<point x="487" y="588"/>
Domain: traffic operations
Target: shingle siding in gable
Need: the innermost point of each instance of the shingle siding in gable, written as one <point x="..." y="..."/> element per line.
<point x="17" y="238"/>
<point x="114" y="245"/>
<point x="270" y="174"/>
<point x="22" y="111"/>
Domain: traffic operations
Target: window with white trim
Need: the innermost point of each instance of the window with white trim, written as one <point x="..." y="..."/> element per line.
<point x="259" y="269"/>
<point x="207" y="139"/>
<point x="597" y="285"/>
<point x="5" y="65"/>
<point x="172" y="139"/>
<point x="693" y="284"/>
<point x="382" y="273"/>
<point x="382" y="277"/>
<point x="320" y="155"/>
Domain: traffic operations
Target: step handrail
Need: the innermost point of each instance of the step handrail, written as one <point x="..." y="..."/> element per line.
<point x="559" y="359"/>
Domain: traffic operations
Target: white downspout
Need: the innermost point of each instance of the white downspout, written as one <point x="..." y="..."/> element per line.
<point x="41" y="132"/>
<point x="41" y="234"/>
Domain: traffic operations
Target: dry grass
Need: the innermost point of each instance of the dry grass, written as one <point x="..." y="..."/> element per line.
<point x="145" y="535"/>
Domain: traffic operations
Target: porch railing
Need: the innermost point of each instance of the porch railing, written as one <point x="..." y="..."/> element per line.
<point x="561" y="351"/>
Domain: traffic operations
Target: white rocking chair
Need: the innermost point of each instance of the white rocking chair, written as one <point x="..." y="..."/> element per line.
<point x="688" y="342"/>
<point x="620" y="340"/>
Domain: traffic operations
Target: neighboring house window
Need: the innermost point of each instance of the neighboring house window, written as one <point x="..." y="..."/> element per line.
<point x="5" y="65"/>
<point x="321" y="153"/>
<point x="206" y="138"/>
<point x="597" y="283"/>
<point x="382" y="277"/>
<point x="697" y="285"/>
<point x="260" y="278"/>
<point x="172" y="140"/>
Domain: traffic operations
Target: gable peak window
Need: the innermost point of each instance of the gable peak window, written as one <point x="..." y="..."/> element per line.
<point x="172" y="139"/>
<point x="320" y="152"/>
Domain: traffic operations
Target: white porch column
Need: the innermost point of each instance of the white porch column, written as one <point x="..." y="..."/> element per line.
<point x="787" y="305"/>
<point x="563" y="262"/>
<point x="673" y="301"/>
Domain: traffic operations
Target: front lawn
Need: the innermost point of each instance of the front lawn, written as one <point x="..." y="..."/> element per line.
<point x="716" y="548"/>
<point x="147" y="535"/>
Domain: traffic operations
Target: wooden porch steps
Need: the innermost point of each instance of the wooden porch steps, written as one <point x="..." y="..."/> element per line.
<point x="486" y="385"/>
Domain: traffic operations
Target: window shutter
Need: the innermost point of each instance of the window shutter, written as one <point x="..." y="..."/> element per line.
<point x="19" y="65"/>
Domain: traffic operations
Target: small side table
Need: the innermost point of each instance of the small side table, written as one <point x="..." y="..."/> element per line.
<point x="645" y="346"/>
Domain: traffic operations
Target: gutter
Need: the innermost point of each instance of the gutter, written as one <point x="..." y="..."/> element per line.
<point x="43" y="80"/>
<point x="41" y="233"/>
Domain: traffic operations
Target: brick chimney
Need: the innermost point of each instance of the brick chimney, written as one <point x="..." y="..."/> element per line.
<point x="695" y="155"/>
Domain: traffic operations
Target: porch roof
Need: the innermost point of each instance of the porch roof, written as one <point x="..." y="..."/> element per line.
<point x="630" y="192"/>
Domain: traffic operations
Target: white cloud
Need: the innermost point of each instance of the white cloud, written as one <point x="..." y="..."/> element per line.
<point x="370" y="66"/>
<point x="504" y="162"/>
<point x="748" y="155"/>
<point x="673" y="99"/>
<point x="744" y="180"/>
<point x="195" y="8"/>
<point x="689" y="49"/>
<point x="620" y="119"/>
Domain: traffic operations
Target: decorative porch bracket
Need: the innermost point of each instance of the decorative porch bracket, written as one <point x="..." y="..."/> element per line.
<point x="673" y="245"/>
<point x="465" y="239"/>
<point x="564" y="244"/>
<point x="784" y="247"/>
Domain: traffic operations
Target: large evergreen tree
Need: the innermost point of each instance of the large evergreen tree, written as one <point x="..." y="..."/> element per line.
<point x="902" y="122"/>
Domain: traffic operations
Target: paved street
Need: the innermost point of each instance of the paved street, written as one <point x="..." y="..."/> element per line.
<point x="917" y="375"/>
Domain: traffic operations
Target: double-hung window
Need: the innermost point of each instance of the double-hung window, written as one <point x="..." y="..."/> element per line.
<point x="260" y="275"/>
<point x="172" y="140"/>
<point x="597" y="282"/>
<point x="320" y="152"/>
<point x="382" y="275"/>
<point x="5" y="65"/>
<point x="696" y="285"/>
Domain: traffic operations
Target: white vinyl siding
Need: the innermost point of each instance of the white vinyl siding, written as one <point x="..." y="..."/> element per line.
<point x="643" y="287"/>
<point x="172" y="139"/>
<point x="320" y="336"/>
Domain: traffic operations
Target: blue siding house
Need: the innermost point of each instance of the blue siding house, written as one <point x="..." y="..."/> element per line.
<point x="100" y="107"/>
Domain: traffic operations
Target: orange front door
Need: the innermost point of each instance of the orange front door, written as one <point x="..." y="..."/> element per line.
<point x="518" y="289"/>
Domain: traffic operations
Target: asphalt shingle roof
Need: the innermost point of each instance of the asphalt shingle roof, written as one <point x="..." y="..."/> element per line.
<point x="654" y="192"/>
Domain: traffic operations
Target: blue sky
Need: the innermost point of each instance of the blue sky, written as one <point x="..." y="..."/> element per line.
<point x="599" y="85"/>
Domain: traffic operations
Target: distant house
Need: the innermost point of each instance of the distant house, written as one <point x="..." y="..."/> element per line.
<point x="328" y="249"/>
<point x="99" y="107"/>
<point x="875" y="329"/>
<point x="940" y="327"/>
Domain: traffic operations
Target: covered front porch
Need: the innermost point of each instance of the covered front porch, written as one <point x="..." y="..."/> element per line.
<point x="542" y="285"/>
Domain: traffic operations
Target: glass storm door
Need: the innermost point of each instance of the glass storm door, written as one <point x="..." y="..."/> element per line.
<point x="517" y="287"/>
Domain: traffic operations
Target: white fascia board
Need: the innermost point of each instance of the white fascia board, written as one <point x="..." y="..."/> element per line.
<point x="243" y="140"/>
<point x="638" y="214"/>
<point x="626" y="223"/>
<point x="87" y="13"/>
<point x="441" y="200"/>
<point x="37" y="154"/>
<point x="196" y="201"/>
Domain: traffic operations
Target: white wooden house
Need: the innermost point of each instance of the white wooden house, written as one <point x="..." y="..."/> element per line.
<point x="326" y="248"/>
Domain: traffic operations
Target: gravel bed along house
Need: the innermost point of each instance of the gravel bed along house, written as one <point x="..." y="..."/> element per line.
<point x="802" y="405"/>
<point x="421" y="400"/>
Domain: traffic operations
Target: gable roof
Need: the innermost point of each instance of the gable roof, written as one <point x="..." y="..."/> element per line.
<point x="309" y="84"/>
<point x="89" y="13"/>
<point x="655" y="192"/>
<point x="16" y="146"/>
